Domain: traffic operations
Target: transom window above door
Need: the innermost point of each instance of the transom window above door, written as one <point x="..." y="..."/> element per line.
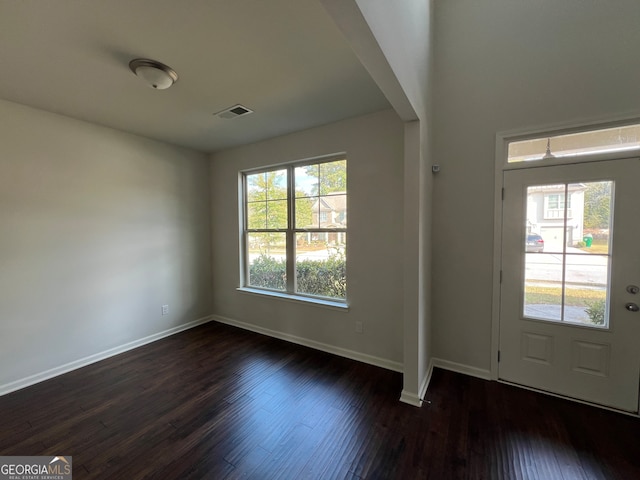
<point x="560" y="146"/>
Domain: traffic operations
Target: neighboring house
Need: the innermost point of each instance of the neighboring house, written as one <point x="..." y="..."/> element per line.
<point x="330" y="211"/>
<point x="545" y="213"/>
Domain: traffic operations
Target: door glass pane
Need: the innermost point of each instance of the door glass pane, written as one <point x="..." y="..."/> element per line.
<point x="543" y="286"/>
<point x="567" y="249"/>
<point x="586" y="282"/>
<point x="596" y="219"/>
<point x="321" y="263"/>
<point x="267" y="265"/>
<point x="545" y="219"/>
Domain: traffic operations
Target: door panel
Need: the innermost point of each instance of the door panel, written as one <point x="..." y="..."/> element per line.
<point x="564" y="327"/>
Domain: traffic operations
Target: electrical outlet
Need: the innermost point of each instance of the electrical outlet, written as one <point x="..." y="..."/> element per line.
<point x="165" y="309"/>
<point x="359" y="327"/>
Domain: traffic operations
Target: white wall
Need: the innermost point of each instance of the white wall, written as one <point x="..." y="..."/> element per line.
<point x="99" y="228"/>
<point x="374" y="148"/>
<point x="503" y="65"/>
<point x="404" y="33"/>
<point x="402" y="29"/>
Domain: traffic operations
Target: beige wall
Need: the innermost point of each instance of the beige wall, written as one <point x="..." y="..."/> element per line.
<point x="403" y="32"/>
<point x="503" y="65"/>
<point x="99" y="228"/>
<point x="374" y="148"/>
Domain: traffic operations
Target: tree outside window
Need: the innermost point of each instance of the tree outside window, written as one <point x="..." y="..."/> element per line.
<point x="295" y="229"/>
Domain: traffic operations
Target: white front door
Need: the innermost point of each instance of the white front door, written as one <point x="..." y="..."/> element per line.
<point x="570" y="266"/>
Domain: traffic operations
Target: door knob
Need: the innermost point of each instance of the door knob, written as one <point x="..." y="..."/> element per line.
<point x="632" y="307"/>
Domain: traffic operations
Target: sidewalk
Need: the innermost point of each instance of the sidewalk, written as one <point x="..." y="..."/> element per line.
<point x="552" y="312"/>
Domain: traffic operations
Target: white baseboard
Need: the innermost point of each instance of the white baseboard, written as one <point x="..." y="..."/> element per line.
<point x="83" y="362"/>
<point x="342" y="352"/>
<point x="460" y="368"/>
<point x="410" y="398"/>
<point x="417" y="399"/>
<point x="425" y="381"/>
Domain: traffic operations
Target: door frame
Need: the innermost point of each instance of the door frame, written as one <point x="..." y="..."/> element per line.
<point x="501" y="165"/>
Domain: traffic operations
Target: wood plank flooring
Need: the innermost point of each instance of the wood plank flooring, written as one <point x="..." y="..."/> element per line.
<point x="217" y="402"/>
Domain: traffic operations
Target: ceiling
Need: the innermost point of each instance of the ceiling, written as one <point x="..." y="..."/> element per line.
<point x="284" y="59"/>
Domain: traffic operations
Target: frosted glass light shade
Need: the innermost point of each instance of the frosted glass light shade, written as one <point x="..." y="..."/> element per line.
<point x="155" y="74"/>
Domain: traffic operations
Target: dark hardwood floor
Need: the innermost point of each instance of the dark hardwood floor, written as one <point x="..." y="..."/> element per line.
<point x="218" y="402"/>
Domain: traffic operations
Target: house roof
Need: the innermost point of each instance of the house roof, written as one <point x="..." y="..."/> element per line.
<point x="284" y="59"/>
<point x="335" y="203"/>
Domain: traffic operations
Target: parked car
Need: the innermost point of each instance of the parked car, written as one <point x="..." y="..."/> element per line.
<point x="535" y="243"/>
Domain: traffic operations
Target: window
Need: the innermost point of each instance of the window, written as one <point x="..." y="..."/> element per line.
<point x="567" y="260"/>
<point x="623" y="138"/>
<point x="295" y="229"/>
<point x="554" y="206"/>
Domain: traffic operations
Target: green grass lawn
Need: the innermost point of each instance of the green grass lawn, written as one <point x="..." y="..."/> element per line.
<point x="552" y="296"/>
<point x="598" y="246"/>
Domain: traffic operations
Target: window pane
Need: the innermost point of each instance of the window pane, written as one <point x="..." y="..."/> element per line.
<point x="276" y="185"/>
<point x="304" y="216"/>
<point x="306" y="180"/>
<point x="546" y="221"/>
<point x="595" y="141"/>
<point x="543" y="286"/>
<point x="595" y="217"/>
<point x="277" y="214"/>
<point x="321" y="264"/>
<point x="257" y="215"/>
<point x="567" y="274"/>
<point x="333" y="177"/>
<point x="586" y="282"/>
<point x="267" y="265"/>
<point x="333" y="211"/>
<point x="256" y="190"/>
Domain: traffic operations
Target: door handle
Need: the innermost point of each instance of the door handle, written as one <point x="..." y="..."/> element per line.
<point x="632" y="307"/>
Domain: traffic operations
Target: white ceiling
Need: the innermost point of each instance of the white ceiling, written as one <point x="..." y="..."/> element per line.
<point x="284" y="59"/>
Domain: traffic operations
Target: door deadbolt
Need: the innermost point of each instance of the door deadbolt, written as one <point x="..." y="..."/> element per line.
<point x="633" y="289"/>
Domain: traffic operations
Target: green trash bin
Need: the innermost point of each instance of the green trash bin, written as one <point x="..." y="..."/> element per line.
<point x="588" y="240"/>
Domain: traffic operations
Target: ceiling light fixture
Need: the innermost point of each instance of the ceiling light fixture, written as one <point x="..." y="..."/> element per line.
<point x="548" y="155"/>
<point x="157" y="75"/>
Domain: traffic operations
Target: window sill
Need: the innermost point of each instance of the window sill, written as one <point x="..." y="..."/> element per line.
<point x="321" y="302"/>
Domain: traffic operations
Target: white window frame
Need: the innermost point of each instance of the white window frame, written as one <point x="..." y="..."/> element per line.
<point x="291" y="292"/>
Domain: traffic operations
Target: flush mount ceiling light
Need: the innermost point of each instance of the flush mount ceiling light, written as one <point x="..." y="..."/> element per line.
<point x="155" y="74"/>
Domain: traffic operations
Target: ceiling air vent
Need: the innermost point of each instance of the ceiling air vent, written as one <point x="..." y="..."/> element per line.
<point x="233" y="112"/>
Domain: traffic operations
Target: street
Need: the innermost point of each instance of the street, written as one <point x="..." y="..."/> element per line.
<point x="586" y="270"/>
